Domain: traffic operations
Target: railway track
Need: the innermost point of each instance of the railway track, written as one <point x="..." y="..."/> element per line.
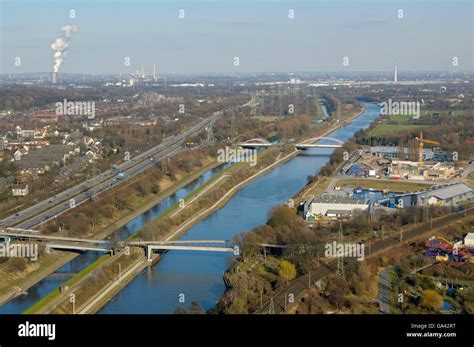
<point x="279" y="303"/>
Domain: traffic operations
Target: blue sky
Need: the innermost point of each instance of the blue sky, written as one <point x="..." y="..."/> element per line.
<point x="259" y="32"/>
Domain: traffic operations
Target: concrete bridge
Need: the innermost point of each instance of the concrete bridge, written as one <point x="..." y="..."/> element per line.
<point x="77" y="247"/>
<point x="194" y="245"/>
<point x="186" y="245"/>
<point x="19" y="235"/>
<point x="59" y="242"/>
<point x="256" y="143"/>
<point x="309" y="143"/>
<point x="82" y="244"/>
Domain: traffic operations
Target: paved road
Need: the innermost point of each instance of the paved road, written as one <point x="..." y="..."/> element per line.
<point x="49" y="209"/>
<point x="299" y="286"/>
<point x="343" y="166"/>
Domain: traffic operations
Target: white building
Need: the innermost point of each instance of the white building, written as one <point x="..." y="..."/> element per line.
<point x="334" y="206"/>
<point x="469" y="240"/>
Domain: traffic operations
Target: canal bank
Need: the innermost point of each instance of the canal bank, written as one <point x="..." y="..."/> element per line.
<point x="70" y="264"/>
<point x="183" y="276"/>
<point x="140" y="222"/>
<point x="105" y="293"/>
<point x="106" y="285"/>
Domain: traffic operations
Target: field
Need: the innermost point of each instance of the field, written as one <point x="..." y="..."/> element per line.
<point x="407" y="119"/>
<point x="431" y="111"/>
<point x="402" y="119"/>
<point x="385" y="129"/>
<point x="395" y="186"/>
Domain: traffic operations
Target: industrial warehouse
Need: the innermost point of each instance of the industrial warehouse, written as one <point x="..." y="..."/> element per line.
<point x="442" y="195"/>
<point x="333" y="206"/>
<point x="337" y="206"/>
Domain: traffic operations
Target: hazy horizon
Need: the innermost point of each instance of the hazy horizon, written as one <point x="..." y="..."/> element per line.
<point x="260" y="33"/>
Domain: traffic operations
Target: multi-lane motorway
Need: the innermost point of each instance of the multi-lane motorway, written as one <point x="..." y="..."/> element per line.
<point x="51" y="208"/>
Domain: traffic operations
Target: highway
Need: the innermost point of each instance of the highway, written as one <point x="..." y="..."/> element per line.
<point x="52" y="207"/>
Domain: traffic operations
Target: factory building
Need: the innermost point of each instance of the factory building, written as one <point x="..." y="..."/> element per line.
<point x="333" y="206"/>
<point x="447" y="194"/>
<point x="442" y="195"/>
<point x="393" y="152"/>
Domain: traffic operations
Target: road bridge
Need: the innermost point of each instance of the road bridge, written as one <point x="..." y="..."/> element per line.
<point x="186" y="245"/>
<point x="82" y="244"/>
<point x="44" y="238"/>
<point x="77" y="247"/>
<point x="256" y="143"/>
<point x="151" y="248"/>
<point x="194" y="245"/>
<point x="310" y="143"/>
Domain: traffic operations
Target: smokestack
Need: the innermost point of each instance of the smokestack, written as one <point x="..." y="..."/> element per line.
<point x="154" y="72"/>
<point x="59" y="46"/>
<point x="395" y="74"/>
<point x="54" y="77"/>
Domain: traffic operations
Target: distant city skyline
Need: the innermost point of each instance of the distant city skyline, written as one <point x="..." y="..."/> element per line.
<point x="323" y="36"/>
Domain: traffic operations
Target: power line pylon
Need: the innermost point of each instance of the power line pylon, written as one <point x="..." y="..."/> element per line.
<point x="164" y="165"/>
<point x="210" y="134"/>
<point x="271" y="308"/>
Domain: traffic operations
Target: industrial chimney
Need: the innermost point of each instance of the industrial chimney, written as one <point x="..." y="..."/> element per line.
<point x="54" y="77"/>
<point x="395" y="73"/>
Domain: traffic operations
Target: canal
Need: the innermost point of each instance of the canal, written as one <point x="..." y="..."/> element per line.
<point x="53" y="281"/>
<point x="198" y="276"/>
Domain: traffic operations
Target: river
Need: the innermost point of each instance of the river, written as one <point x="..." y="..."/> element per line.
<point x="198" y="276"/>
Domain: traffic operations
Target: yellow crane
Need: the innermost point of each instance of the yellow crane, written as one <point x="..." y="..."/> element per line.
<point x="422" y="141"/>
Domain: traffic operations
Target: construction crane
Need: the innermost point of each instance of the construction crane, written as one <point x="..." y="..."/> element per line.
<point x="422" y="141"/>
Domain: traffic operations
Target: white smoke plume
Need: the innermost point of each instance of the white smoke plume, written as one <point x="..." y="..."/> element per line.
<point x="60" y="45"/>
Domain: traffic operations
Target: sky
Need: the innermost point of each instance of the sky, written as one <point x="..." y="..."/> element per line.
<point x="259" y="32"/>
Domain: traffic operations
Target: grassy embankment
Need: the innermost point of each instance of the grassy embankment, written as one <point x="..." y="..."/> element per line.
<point x="42" y="304"/>
<point x="104" y="275"/>
<point x="46" y="265"/>
<point x="193" y="194"/>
